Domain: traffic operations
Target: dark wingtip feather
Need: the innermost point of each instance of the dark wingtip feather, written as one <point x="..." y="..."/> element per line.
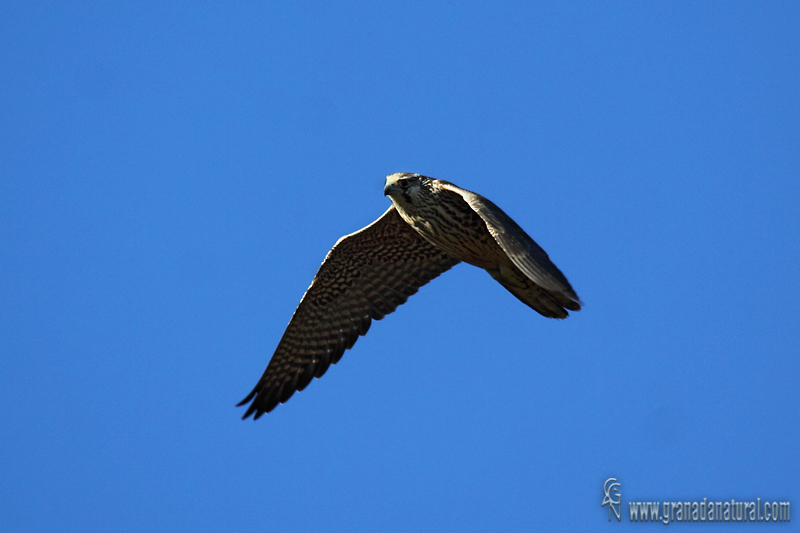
<point x="248" y="398"/>
<point x="250" y="409"/>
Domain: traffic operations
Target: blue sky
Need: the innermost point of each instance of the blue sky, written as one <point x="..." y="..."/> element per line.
<point x="171" y="177"/>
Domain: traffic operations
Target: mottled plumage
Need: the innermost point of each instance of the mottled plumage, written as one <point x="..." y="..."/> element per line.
<point x="431" y="226"/>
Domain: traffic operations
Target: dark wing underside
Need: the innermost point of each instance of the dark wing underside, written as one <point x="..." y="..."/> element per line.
<point x="365" y="276"/>
<point x="523" y="251"/>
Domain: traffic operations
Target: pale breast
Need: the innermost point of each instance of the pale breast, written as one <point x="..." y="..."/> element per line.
<point x="452" y="225"/>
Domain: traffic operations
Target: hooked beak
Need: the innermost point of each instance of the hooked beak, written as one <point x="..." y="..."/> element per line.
<point x="391" y="188"/>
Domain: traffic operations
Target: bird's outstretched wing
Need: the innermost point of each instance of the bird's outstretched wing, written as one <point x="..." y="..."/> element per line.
<point x="365" y="276"/>
<point x="523" y="251"/>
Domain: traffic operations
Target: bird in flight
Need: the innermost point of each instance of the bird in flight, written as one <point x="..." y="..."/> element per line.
<point x="431" y="226"/>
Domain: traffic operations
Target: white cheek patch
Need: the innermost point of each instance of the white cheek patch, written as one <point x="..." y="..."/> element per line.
<point x="399" y="202"/>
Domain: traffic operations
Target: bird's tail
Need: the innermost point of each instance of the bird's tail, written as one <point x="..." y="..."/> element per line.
<point x="546" y="302"/>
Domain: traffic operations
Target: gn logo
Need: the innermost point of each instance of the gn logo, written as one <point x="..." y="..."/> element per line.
<point x="612" y="497"/>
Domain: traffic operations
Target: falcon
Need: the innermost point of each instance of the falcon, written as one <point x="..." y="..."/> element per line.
<point x="431" y="226"/>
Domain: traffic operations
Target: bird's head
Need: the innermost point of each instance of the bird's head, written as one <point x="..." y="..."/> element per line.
<point x="403" y="188"/>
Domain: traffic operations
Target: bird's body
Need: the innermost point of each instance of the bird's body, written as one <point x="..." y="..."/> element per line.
<point x="472" y="229"/>
<point x="445" y="220"/>
<point x="431" y="226"/>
